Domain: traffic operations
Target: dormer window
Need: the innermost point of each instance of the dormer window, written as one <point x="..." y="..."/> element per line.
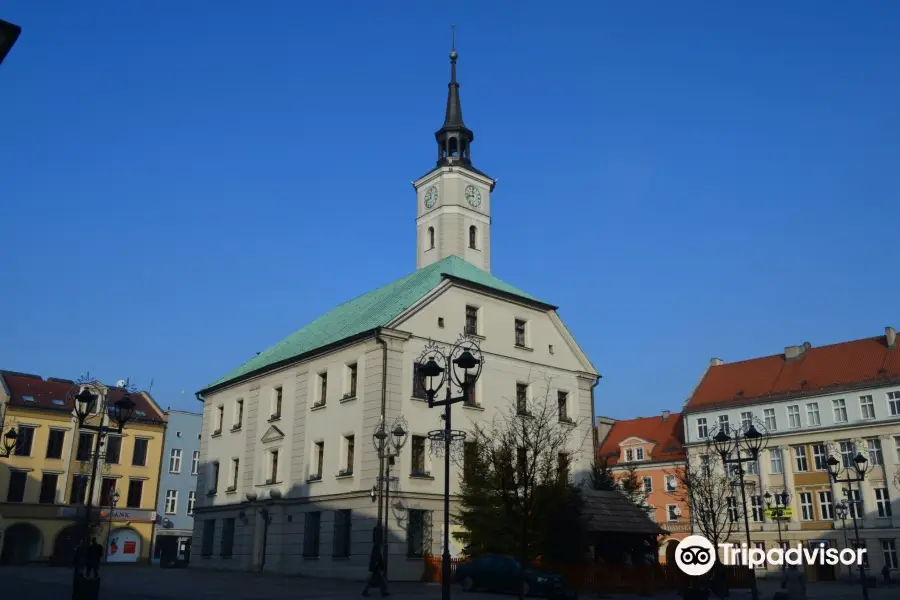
<point x="633" y="454"/>
<point x="629" y="455"/>
<point x="639" y="454"/>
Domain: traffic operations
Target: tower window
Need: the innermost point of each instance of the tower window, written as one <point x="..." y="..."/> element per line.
<point x="473" y="233"/>
<point x="431" y="238"/>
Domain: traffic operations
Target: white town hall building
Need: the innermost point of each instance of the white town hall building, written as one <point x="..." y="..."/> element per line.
<point x="287" y="456"/>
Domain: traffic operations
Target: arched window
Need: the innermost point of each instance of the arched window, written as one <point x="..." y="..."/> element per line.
<point x="473" y="233"/>
<point x="431" y="238"/>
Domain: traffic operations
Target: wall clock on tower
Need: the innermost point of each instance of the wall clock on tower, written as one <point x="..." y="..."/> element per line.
<point x="473" y="195"/>
<point x="431" y="197"/>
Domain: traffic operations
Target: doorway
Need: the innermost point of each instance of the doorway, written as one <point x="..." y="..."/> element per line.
<point x="822" y="572"/>
<point x="22" y="543"/>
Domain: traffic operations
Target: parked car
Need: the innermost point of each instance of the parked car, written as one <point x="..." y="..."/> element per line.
<point x="498" y="573"/>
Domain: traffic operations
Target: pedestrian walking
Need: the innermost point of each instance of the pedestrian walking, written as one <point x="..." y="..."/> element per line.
<point x="886" y="573"/>
<point x="94" y="556"/>
<point x="376" y="570"/>
<point x="794" y="583"/>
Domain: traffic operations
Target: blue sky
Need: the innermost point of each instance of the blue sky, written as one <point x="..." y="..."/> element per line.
<point x="185" y="183"/>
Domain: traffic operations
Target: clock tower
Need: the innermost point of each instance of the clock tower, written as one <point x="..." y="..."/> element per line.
<point x="454" y="198"/>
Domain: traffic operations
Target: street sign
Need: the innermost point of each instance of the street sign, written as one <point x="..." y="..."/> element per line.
<point x="786" y="512"/>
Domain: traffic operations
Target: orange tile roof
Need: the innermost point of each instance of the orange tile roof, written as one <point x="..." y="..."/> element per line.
<point x="833" y="368"/>
<point x="667" y="434"/>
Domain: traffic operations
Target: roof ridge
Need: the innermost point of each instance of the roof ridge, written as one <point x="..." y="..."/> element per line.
<point x="811" y="348"/>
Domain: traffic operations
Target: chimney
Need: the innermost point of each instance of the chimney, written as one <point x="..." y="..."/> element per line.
<point x="665" y="416"/>
<point x="792" y="352"/>
<point x="715" y="362"/>
<point x="602" y="427"/>
<point x="891" y="336"/>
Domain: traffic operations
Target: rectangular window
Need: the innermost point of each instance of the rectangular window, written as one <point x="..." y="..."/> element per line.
<point x="471" y="398"/>
<point x="638" y="454"/>
<point x="341" y="542"/>
<point x="16" y="490"/>
<point x="113" y="449"/>
<point x="171" y="502"/>
<point x="757" y="510"/>
<point x="235" y="473"/>
<point x="320" y="459"/>
<point x="469" y="457"/>
<point x="793" y="412"/>
<point x="522" y="463"/>
<point x="562" y="402"/>
<point x="894" y="403"/>
<point x="220" y="420"/>
<point x="55" y="443"/>
<point x="702" y="430"/>
<point x="800" y="462"/>
<point x="672" y="512"/>
<point x="776" y="462"/>
<point x="85" y="446"/>
<point x="351" y="375"/>
<point x="227" y="544"/>
<point x="415" y="534"/>
<point x="826" y="506"/>
<point x="867" y="407"/>
<point x="854" y="504"/>
<point x="629" y="455"/>
<point x="723" y="423"/>
<point x="769" y="418"/>
<point x="195" y="463"/>
<point x="24" y="441"/>
<point x="349" y="450"/>
<point x="139" y="458"/>
<point x="214" y="479"/>
<point x="883" y="502"/>
<point x="876" y="456"/>
<point x="276" y="403"/>
<point x="562" y="466"/>
<point x="819" y="457"/>
<point x="752" y="467"/>
<point x="731" y="509"/>
<point x="238" y="414"/>
<point x="897" y="446"/>
<point x="209" y="532"/>
<point x="135" y="493"/>
<point x="471" y="320"/>
<point x="311" y="530"/>
<point x="848" y="453"/>
<point x="812" y="414"/>
<point x="839" y="407"/>
<point x="418" y="455"/>
<point x="78" y="493"/>
<point x="889" y="551"/>
<point x="806" y="507"/>
<point x="746" y="420"/>
<point x="520" y="333"/>
<point x="273" y="466"/>
<point x="418" y="383"/>
<point x="48" y="488"/>
<point x="647" y="485"/>
<point x="107" y="489"/>
<point x="192" y="500"/>
<point x="175" y="461"/>
<point x="705" y="465"/>
<point x="323" y="388"/>
<point x="522" y="398"/>
<point x="671" y="483"/>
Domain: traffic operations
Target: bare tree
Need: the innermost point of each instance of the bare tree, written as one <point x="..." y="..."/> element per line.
<point x="524" y="454"/>
<point x="709" y="492"/>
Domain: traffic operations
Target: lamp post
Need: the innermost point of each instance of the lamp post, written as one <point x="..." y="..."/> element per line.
<point x="91" y="399"/>
<point x="745" y="445"/>
<point x="460" y="365"/>
<point x="9" y="442"/>
<point x="113" y="501"/>
<point x="9" y="33"/>
<point x="841" y="509"/>
<point x="777" y="503"/>
<point x="855" y="472"/>
<point x="388" y="444"/>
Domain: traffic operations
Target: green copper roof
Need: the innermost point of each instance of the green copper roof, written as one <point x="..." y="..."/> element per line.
<point x="375" y="309"/>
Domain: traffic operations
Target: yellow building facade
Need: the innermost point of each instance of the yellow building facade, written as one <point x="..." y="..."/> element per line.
<point x="45" y="482"/>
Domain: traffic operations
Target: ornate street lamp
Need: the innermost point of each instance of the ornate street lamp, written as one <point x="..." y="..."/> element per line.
<point x="388" y="444"/>
<point x="461" y="366"/>
<point x="745" y="444"/>
<point x="9" y="442"/>
<point x="9" y="33"/>
<point x="778" y="503"/>
<point x="90" y="398"/>
<point x="855" y="472"/>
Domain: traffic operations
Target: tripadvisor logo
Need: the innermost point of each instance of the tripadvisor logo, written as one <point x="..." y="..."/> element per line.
<point x="695" y="555"/>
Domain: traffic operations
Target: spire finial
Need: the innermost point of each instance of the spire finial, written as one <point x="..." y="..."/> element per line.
<point x="453" y="53"/>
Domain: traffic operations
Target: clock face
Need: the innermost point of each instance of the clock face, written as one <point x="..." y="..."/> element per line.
<point x="473" y="195"/>
<point x="431" y="197"/>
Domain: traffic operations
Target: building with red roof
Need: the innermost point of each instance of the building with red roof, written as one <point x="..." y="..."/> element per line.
<point x="653" y="448"/>
<point x="812" y="402"/>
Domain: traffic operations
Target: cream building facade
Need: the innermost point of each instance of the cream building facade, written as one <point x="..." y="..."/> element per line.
<point x="288" y="462"/>
<point x="813" y="402"/>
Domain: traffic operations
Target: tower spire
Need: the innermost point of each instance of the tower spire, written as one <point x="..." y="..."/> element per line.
<point x="453" y="138"/>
